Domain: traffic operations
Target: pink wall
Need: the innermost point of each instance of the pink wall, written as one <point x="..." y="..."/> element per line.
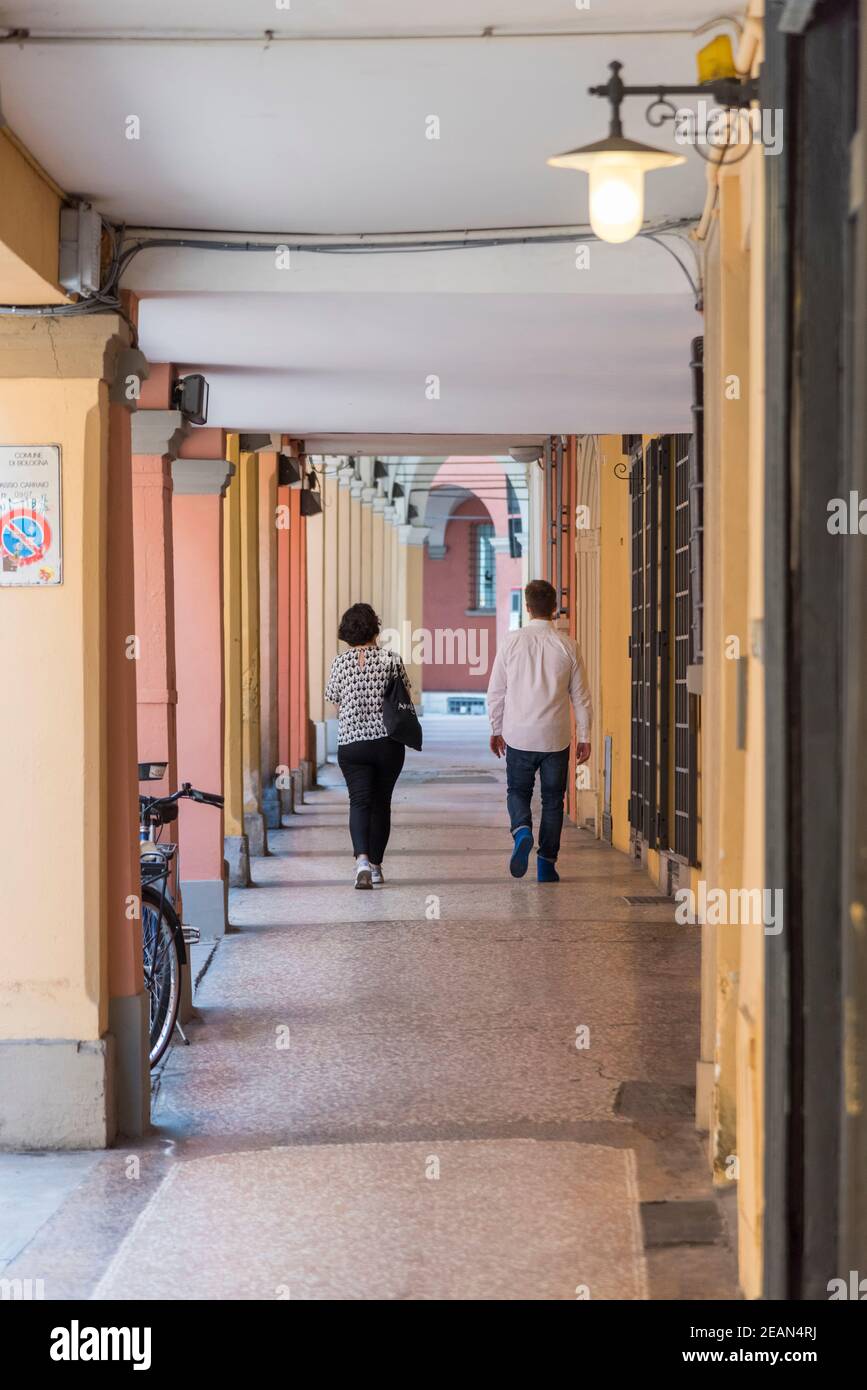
<point x="156" y="687"/>
<point x="509" y="577"/>
<point x="447" y="598"/>
<point x="447" y="581"/>
<point x="198" y="556"/>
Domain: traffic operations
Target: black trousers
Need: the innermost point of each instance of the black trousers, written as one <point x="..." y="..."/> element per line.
<point x="370" y="767"/>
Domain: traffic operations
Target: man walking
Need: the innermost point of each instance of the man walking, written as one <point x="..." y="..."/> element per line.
<point x="537" y="672"/>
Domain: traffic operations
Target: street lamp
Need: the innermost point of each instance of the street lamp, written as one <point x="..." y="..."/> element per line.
<point x="617" y="166"/>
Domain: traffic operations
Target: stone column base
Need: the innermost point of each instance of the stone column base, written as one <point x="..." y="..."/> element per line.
<point x="320" y="731"/>
<point x="206" y="906"/>
<point x="186" y="1009"/>
<point x="271" y="808"/>
<point x="237" y="853"/>
<point x="298" y="786"/>
<point x="257" y="835"/>
<point x="57" y="1093"/>
<point x="287" y="799"/>
<point x="308" y="770"/>
<point x="128" y="1023"/>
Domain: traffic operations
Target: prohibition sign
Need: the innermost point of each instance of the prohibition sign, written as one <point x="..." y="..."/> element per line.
<point x="24" y="535"/>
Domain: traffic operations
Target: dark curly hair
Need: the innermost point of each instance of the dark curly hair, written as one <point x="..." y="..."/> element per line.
<point x="358" y="625"/>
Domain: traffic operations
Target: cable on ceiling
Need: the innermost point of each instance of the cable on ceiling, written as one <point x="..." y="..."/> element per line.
<point x="107" y="299"/>
<point x="268" y="38"/>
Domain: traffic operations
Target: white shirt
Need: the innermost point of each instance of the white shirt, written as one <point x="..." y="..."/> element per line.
<point x="538" y="672"/>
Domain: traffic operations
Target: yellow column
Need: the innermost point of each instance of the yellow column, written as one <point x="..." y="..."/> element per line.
<point x="331" y="605"/>
<point x="329" y="573"/>
<point x="333" y="540"/>
<point x="389" y="577"/>
<point x="254" y="820"/>
<point x="750" y="1040"/>
<point x="378" y="556"/>
<point x="734" y="482"/>
<point x="344" y="531"/>
<point x="319" y="529"/>
<point x="70" y="932"/>
<point x="410" y="570"/>
<point x="237" y="848"/>
<point x="367" y="497"/>
<point x="356" y="594"/>
<point x="726" y="642"/>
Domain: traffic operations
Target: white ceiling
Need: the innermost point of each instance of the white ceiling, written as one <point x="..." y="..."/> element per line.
<point x="329" y="137"/>
<point x="360" y="363"/>
<point x="351" y="16"/>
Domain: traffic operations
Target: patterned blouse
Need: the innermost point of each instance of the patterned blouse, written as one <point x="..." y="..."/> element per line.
<point x="359" y="690"/>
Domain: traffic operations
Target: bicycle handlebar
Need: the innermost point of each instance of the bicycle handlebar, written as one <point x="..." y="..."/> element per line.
<point x="185" y="790"/>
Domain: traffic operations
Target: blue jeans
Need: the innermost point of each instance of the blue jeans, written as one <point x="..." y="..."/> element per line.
<point x="553" y="770"/>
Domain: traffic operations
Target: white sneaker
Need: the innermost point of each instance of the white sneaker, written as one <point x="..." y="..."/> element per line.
<point x="363" y="877"/>
<point x="376" y="873"/>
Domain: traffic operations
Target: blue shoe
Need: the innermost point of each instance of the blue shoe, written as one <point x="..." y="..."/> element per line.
<point x="546" y="870"/>
<point x="521" y="852"/>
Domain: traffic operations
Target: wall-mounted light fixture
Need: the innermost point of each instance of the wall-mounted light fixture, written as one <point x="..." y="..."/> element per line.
<point x="311" y="503"/>
<point x="190" y="397"/>
<point x="617" y="166"/>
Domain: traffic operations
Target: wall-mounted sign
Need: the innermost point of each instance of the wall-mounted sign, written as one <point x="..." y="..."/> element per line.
<point x="31" y="519"/>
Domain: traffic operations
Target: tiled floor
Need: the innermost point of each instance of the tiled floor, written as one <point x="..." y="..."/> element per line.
<point x="383" y="1097"/>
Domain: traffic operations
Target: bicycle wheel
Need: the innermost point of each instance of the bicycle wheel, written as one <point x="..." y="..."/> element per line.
<point x="162" y="969"/>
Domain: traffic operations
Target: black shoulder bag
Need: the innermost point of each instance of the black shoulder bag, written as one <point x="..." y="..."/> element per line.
<point x="398" y="712"/>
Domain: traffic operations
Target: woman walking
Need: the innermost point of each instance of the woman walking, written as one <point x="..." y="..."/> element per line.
<point x="369" y="759"/>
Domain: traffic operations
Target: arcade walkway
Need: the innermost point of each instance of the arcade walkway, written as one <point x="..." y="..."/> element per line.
<point x="383" y="1102"/>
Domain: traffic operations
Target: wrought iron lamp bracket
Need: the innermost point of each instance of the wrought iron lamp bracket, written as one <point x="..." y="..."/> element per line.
<point x="733" y="93"/>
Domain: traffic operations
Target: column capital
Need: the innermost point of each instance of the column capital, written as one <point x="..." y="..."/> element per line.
<point x="368" y="497"/>
<point x="379" y="504"/>
<point x="89" y="346"/>
<point x="500" y="545"/>
<point x="200" y="477"/>
<point x="257" y="443"/>
<point x="158" y="432"/>
<point x="131" y="368"/>
<point x="437" y="552"/>
<point x="413" y="535"/>
<point x="356" y="487"/>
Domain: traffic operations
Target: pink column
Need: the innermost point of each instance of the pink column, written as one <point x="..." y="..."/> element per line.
<point x="268" y="640"/>
<point x="197" y="514"/>
<point x="156" y="437"/>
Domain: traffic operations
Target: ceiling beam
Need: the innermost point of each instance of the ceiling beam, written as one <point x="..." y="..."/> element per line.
<point x="437" y="446"/>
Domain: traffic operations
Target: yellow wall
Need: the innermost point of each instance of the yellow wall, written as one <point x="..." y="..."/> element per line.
<point x="616" y="624"/>
<point x="750" y="1022"/>
<point x="733" y="778"/>
<point x="29" y="228"/>
<point x="53" y="925"/>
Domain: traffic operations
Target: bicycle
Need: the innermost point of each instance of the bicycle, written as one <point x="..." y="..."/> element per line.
<point x="164" y="938"/>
